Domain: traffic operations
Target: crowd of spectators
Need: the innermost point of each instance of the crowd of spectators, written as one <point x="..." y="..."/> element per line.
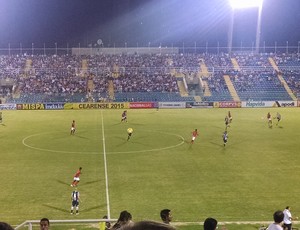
<point x="247" y="80"/>
<point x="287" y="61"/>
<point x="65" y="76"/>
<point x="217" y="62"/>
<point x="217" y="83"/>
<point x="253" y="61"/>
<point x="141" y="82"/>
<point x="292" y="78"/>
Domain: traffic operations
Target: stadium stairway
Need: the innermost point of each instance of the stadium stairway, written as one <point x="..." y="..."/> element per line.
<point x="235" y="64"/>
<point x="173" y="72"/>
<point x="90" y="85"/>
<point x="84" y="67"/>
<point x="178" y="75"/>
<point x="197" y="98"/>
<point x="281" y="79"/>
<point x="231" y="88"/>
<point x="16" y="93"/>
<point x="182" y="89"/>
<point x="180" y="83"/>
<point x="207" y="92"/>
<point x="28" y="65"/>
<point x="115" y="71"/>
<point x="111" y="92"/>
<point x="204" y="69"/>
<point x="204" y="73"/>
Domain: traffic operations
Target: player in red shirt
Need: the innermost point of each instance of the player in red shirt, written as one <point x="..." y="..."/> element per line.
<point x="269" y="117"/>
<point x="194" y="135"/>
<point x="124" y="116"/>
<point x="76" y="177"/>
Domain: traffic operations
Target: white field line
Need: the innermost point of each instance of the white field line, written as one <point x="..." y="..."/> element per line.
<point x="97" y="152"/>
<point x="105" y="168"/>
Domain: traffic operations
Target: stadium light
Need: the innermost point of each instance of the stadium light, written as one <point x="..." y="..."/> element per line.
<point x="240" y="4"/>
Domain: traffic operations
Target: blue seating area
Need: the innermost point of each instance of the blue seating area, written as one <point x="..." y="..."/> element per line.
<point x="253" y="61"/>
<point x="259" y="86"/>
<point x="288" y="62"/>
<point x="292" y="78"/>
<point x="218" y="88"/>
<point x="217" y="62"/>
<point x="224" y="96"/>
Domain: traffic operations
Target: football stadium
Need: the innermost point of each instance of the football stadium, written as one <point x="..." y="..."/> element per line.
<point x="194" y="113"/>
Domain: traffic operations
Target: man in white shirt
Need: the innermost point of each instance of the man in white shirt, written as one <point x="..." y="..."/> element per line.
<point x="278" y="218"/>
<point x="288" y="218"/>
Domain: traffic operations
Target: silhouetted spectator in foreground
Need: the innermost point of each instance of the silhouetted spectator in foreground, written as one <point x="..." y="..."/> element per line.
<point x="149" y="225"/>
<point x="278" y="219"/>
<point x="210" y="224"/>
<point x="166" y="216"/>
<point x="5" y="226"/>
<point x="125" y="218"/>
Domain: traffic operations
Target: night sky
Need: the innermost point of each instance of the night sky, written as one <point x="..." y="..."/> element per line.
<point x="140" y="22"/>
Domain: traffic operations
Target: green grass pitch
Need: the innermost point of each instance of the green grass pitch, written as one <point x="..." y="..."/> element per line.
<point x="254" y="175"/>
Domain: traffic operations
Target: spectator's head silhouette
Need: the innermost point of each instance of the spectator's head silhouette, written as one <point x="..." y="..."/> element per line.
<point x="210" y="224"/>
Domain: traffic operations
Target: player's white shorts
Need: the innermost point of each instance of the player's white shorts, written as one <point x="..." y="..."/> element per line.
<point x="76" y="179"/>
<point x="193" y="138"/>
<point x="72" y="129"/>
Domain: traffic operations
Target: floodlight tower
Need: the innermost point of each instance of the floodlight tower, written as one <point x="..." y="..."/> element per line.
<point x="239" y="4"/>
